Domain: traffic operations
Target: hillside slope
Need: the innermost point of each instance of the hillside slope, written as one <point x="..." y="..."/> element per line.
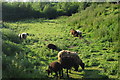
<point x="98" y="49"/>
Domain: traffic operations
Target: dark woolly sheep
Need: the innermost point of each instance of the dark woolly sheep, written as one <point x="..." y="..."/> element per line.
<point x="77" y="60"/>
<point x="55" y="67"/>
<point x="67" y="63"/>
<point x="23" y="35"/>
<point x="52" y="46"/>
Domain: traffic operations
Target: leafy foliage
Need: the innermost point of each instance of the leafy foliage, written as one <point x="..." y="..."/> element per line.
<point x="38" y="10"/>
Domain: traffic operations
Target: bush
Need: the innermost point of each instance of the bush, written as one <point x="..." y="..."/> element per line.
<point x="10" y="35"/>
<point x="11" y="48"/>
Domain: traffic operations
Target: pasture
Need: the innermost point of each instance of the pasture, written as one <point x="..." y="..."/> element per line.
<point x="29" y="58"/>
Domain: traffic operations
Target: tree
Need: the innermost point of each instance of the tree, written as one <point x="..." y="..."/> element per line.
<point x="49" y="12"/>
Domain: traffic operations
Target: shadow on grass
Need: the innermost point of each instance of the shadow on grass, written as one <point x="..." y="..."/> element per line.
<point x="88" y="74"/>
<point x="92" y="74"/>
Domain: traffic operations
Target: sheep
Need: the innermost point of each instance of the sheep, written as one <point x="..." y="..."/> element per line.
<point x="23" y="35"/>
<point x="67" y="62"/>
<point x="55" y="67"/>
<point x="52" y="46"/>
<point x="77" y="60"/>
<point x="76" y="33"/>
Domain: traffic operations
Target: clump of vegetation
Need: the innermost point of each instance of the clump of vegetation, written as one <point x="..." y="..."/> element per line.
<point x="40" y="10"/>
<point x="10" y="35"/>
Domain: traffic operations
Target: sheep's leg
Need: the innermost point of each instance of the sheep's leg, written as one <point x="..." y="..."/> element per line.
<point x="61" y="73"/>
<point x="56" y="74"/>
<point x="76" y="67"/>
<point x="67" y="73"/>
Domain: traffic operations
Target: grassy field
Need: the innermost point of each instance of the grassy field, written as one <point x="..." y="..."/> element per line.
<point x="30" y="58"/>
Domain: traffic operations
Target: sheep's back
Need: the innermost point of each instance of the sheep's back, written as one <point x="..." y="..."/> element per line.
<point x="55" y="66"/>
<point x="66" y="53"/>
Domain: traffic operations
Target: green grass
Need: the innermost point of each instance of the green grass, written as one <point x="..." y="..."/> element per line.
<point x="30" y="58"/>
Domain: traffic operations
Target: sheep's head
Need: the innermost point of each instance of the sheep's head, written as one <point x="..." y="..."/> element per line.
<point x="83" y="66"/>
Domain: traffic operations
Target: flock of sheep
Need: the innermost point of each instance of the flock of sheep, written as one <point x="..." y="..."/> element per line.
<point x="75" y="33"/>
<point x="66" y="59"/>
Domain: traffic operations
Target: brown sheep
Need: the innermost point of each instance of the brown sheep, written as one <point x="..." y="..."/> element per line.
<point x="77" y="60"/>
<point x="76" y="33"/>
<point x="67" y="63"/>
<point x="52" y="46"/>
<point x="55" y="67"/>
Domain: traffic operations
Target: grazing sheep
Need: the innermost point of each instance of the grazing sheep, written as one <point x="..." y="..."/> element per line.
<point x="52" y="46"/>
<point x="76" y="33"/>
<point x="77" y="60"/>
<point x="67" y="63"/>
<point x="55" y="67"/>
<point x="23" y="35"/>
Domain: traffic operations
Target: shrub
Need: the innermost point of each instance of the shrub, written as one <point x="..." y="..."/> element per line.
<point x="11" y="48"/>
<point x="10" y="35"/>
